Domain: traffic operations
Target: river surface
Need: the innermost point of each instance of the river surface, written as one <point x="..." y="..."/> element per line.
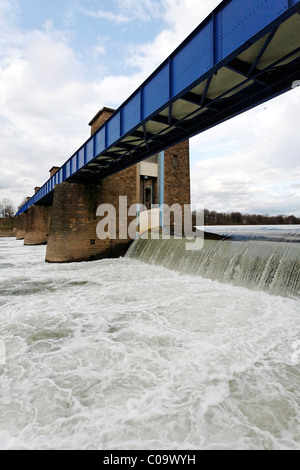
<point x="120" y="354"/>
<point x="279" y="233"/>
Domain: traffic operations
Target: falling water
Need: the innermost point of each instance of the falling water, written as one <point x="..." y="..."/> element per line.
<point x="257" y="262"/>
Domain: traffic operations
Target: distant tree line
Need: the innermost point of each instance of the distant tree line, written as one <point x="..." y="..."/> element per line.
<point x="236" y="218"/>
<point x="6" y="208"/>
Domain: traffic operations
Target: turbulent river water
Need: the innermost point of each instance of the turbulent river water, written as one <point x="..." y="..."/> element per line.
<point x="121" y="354"/>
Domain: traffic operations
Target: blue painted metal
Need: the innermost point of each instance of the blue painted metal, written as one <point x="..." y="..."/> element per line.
<point x="127" y="137"/>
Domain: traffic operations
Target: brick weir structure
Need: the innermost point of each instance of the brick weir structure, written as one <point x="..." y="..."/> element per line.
<point x="69" y="225"/>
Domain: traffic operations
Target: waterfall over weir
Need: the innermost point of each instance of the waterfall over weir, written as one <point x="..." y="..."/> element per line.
<point x="272" y="266"/>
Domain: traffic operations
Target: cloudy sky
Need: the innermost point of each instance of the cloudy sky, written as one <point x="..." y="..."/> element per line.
<point x="63" y="60"/>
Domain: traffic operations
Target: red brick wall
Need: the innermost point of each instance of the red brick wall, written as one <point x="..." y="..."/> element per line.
<point x="73" y="235"/>
<point x="72" y="222"/>
<point x="177" y="181"/>
<point x="38" y="225"/>
<point x="20" y="224"/>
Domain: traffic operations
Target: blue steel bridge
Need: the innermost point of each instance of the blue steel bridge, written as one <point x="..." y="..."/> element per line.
<point x="245" y="53"/>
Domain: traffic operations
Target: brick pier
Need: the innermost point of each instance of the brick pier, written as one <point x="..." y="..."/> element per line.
<point x="69" y="226"/>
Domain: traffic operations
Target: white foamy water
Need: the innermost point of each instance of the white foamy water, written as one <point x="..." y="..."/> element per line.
<point x="118" y="354"/>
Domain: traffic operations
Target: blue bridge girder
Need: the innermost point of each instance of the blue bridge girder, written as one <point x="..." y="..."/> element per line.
<point x="243" y="54"/>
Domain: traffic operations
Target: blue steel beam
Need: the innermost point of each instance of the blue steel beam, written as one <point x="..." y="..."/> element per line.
<point x="244" y="53"/>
